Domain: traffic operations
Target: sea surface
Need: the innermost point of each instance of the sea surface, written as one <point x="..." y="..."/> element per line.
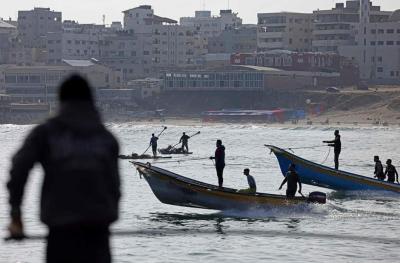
<point x="351" y="227"/>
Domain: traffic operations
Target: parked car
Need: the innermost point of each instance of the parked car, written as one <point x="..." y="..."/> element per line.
<point x="332" y="90"/>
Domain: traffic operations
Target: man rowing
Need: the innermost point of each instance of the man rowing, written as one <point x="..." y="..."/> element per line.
<point x="292" y="179"/>
<point x="185" y="142"/>
<point x="153" y="144"/>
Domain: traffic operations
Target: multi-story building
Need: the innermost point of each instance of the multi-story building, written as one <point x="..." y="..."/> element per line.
<point x="81" y="41"/>
<point x="377" y="46"/>
<point x="288" y="31"/>
<point x="336" y="27"/>
<point x="41" y="29"/>
<point x="210" y="26"/>
<point x="237" y="40"/>
<point x="7" y="32"/>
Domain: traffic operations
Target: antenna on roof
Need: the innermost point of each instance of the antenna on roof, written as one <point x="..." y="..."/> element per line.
<point x="104" y="20"/>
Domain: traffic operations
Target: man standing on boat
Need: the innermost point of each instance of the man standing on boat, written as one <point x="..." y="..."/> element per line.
<point x="81" y="185"/>
<point x="153" y="143"/>
<point x="219" y="158"/>
<point x="379" y="169"/>
<point x="185" y="141"/>
<point x="292" y="179"/>
<point x="337" y="147"/>
<point x="252" y="183"/>
<point x="391" y="172"/>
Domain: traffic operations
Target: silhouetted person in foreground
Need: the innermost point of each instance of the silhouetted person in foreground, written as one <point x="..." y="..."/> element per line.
<point x="81" y="185"/>
<point x="292" y="179"/>
<point x="379" y="174"/>
<point x="219" y="158"/>
<point x="185" y="142"/>
<point x="252" y="183"/>
<point x="337" y="147"/>
<point x="153" y="143"/>
<point x="391" y="172"/>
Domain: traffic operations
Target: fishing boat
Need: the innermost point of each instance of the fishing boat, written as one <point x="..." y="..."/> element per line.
<point x="173" y="189"/>
<point x="135" y="156"/>
<point x="172" y="150"/>
<point x="319" y="175"/>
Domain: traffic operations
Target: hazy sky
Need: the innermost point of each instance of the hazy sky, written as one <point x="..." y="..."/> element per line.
<point x="91" y="11"/>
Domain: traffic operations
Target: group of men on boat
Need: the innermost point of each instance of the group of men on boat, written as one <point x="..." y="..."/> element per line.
<point x="390" y="172"/>
<point x="184" y="140"/>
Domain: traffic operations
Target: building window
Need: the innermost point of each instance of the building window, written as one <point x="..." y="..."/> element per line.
<point x="392" y="73"/>
<point x="381" y="43"/>
<point x="390" y="31"/>
<point x="380" y="59"/>
<point x="381" y="31"/>
<point x="373" y="43"/>
<point x="390" y="43"/>
<point x="373" y="31"/>
<point x="379" y="69"/>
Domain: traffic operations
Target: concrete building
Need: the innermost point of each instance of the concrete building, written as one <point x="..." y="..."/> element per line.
<point x="81" y="41"/>
<point x="337" y="27"/>
<point x="7" y="32"/>
<point x="377" y="47"/>
<point x="288" y="31"/>
<point x="41" y="30"/>
<point x="147" y="87"/>
<point x="34" y="84"/>
<point x="237" y="40"/>
<point x="210" y="26"/>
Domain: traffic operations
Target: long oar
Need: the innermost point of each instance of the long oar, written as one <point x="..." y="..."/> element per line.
<point x="165" y="127"/>
<point x="197" y="133"/>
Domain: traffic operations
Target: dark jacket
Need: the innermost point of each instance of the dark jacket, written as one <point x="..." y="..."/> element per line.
<point x="379" y="170"/>
<point x="220" y="156"/>
<point x="79" y="157"/>
<point x="336" y="144"/>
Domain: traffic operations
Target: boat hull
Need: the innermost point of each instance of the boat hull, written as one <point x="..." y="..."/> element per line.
<point x="173" y="189"/>
<point x="318" y="175"/>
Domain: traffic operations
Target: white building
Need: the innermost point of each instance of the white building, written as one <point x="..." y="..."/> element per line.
<point x="288" y="31"/>
<point x="336" y="27"/>
<point x="211" y="26"/>
<point x="377" y="47"/>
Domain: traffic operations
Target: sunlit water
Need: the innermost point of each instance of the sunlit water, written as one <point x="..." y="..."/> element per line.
<point x="354" y="227"/>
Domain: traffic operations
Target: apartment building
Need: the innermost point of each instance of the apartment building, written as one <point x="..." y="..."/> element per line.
<point x="377" y="47"/>
<point x="211" y="26"/>
<point x="288" y="31"/>
<point x="7" y="31"/>
<point x="337" y="27"/>
<point x="41" y="29"/>
<point x="236" y="40"/>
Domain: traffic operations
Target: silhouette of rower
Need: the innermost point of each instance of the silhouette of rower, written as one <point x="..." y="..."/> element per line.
<point x="185" y="142"/>
<point x="153" y="144"/>
<point x="292" y="179"/>
<point x="81" y="185"/>
<point x="337" y="147"/>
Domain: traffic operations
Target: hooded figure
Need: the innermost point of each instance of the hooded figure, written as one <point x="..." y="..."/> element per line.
<point x="81" y="185"/>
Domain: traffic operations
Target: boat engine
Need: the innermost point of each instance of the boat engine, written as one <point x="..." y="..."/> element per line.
<point x="317" y="197"/>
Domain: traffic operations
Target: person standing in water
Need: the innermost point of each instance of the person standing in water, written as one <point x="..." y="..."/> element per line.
<point x="153" y="143"/>
<point x="391" y="172"/>
<point x="337" y="147"/>
<point x="292" y="179"/>
<point x="379" y="174"/>
<point x="219" y="158"/>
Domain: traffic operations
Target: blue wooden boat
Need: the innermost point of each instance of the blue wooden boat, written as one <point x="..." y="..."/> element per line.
<point x="319" y="175"/>
<point x="174" y="189"/>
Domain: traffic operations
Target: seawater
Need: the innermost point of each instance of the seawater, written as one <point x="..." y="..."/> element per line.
<point x="351" y="227"/>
